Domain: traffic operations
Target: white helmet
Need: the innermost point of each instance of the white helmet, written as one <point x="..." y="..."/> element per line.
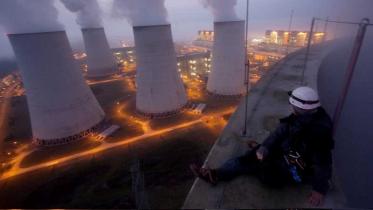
<point x="305" y="98"/>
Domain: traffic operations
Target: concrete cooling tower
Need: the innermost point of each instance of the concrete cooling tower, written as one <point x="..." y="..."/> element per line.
<point x="227" y="76"/>
<point x="160" y="90"/>
<point x="62" y="107"/>
<point x="101" y="61"/>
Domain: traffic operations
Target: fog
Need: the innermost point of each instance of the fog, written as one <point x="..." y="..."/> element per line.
<point x="141" y="12"/>
<point x="24" y="16"/>
<point x="222" y="10"/>
<point x="88" y="13"/>
<point x="187" y="17"/>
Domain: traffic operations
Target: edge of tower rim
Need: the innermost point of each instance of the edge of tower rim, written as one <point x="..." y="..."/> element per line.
<point x="151" y="26"/>
<point x="92" y="28"/>
<point x="228" y="21"/>
<point x="165" y="114"/>
<point x="35" y="33"/>
<point x="235" y="96"/>
<point x="49" y="143"/>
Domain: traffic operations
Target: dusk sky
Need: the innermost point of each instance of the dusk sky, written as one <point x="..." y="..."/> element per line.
<point x="189" y="16"/>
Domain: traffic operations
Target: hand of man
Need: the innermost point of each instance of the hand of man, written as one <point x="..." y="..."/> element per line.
<point x="259" y="155"/>
<point x="316" y="198"/>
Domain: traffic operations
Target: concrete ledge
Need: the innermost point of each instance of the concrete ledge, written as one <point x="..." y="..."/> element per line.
<point x="268" y="101"/>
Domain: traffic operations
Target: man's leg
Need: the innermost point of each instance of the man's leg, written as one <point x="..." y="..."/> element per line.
<point x="246" y="164"/>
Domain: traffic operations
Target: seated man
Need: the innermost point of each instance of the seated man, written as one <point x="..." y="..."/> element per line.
<point x="298" y="151"/>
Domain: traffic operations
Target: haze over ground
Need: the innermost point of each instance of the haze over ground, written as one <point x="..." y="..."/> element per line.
<point x="187" y="17"/>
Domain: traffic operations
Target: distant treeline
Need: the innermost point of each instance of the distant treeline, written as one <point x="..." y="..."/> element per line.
<point x="7" y="66"/>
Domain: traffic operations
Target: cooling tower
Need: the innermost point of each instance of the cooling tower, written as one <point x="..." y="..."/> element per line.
<point x="160" y="90"/>
<point x="101" y="61"/>
<point x="227" y="76"/>
<point x="62" y="107"/>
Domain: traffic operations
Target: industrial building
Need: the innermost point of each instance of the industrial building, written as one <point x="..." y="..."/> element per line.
<point x="101" y="61"/>
<point x="292" y="38"/>
<point x="194" y="65"/>
<point x="125" y="56"/>
<point x="205" y="38"/>
<point x="227" y="76"/>
<point x="160" y="91"/>
<point x="256" y="56"/>
<point x="62" y="108"/>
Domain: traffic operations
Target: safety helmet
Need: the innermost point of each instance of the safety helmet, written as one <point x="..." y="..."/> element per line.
<point x="305" y="98"/>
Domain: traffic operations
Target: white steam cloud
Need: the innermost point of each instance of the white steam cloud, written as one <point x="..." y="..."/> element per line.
<point x="25" y="16"/>
<point x="223" y="10"/>
<point x="141" y="12"/>
<point x="88" y="12"/>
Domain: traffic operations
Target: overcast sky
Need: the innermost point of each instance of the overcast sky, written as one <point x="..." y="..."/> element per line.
<point x="189" y="16"/>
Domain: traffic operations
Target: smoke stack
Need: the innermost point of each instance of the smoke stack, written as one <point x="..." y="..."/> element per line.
<point x="101" y="61"/>
<point x="227" y="76"/>
<point x="160" y="90"/>
<point x="62" y="107"/>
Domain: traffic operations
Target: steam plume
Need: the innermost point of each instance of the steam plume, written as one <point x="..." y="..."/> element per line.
<point x="223" y="10"/>
<point x="88" y="12"/>
<point x="141" y="12"/>
<point x="25" y="16"/>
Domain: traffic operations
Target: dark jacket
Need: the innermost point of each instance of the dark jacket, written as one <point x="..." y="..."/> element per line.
<point x="311" y="136"/>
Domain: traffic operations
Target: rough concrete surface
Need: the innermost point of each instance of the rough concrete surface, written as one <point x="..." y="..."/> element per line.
<point x="267" y="101"/>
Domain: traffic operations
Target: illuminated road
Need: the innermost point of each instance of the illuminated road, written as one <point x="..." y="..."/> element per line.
<point x="112" y="79"/>
<point x="4" y="112"/>
<point x="145" y="125"/>
<point x="17" y="170"/>
<point x="105" y="81"/>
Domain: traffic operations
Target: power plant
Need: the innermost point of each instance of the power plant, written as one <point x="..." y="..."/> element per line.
<point x="227" y="77"/>
<point x="160" y="90"/>
<point x="101" y="61"/>
<point x="62" y="108"/>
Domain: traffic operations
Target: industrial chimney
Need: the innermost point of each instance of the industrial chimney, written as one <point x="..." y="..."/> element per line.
<point x="227" y="76"/>
<point x="101" y="61"/>
<point x="160" y="90"/>
<point x="62" y="107"/>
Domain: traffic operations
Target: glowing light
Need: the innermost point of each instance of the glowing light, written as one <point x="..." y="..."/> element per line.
<point x="52" y="163"/>
<point x="257" y="40"/>
<point x="16" y="170"/>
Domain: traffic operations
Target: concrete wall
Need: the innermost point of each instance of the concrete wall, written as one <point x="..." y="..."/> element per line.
<point x="227" y="76"/>
<point x="159" y="87"/>
<point x="101" y="61"/>
<point x="59" y="101"/>
<point x="354" y="136"/>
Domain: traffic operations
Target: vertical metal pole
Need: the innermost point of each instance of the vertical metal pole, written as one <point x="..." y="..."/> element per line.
<point x="310" y="36"/>
<point x="289" y="31"/>
<point x="326" y="29"/>
<point x="350" y="71"/>
<point x="336" y="29"/>
<point x="247" y="70"/>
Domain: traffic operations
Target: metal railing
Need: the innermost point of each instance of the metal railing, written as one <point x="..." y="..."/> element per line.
<point x="358" y="43"/>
